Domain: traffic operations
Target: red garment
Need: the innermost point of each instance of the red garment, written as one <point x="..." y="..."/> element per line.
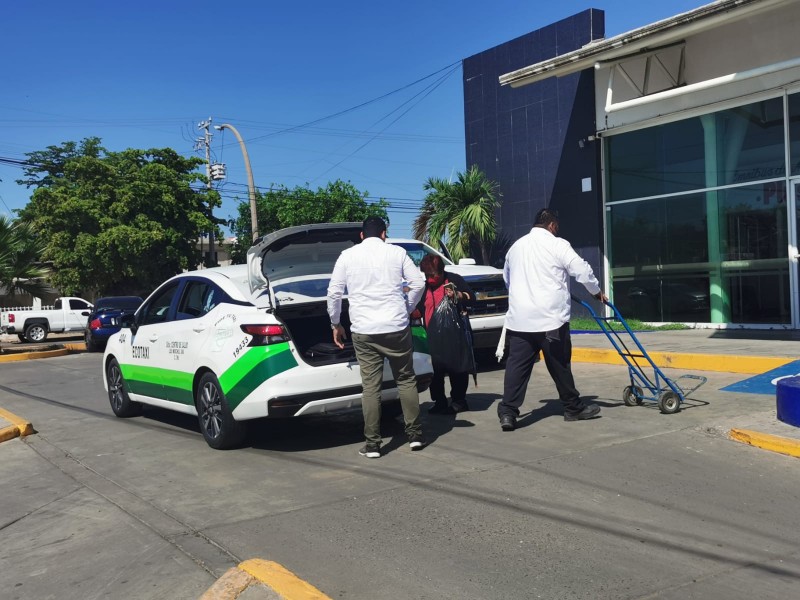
<point x="432" y="299"/>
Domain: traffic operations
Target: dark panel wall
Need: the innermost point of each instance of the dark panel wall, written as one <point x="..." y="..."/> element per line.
<point x="527" y="139"/>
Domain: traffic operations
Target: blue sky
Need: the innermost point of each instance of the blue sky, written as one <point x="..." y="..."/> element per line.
<point x="144" y="74"/>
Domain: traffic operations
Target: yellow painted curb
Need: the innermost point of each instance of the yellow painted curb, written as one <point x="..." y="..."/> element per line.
<point x="25" y="428"/>
<point x="18" y="428"/>
<point x="695" y="362"/>
<point x="33" y="355"/>
<point x="279" y="579"/>
<point x="283" y="581"/>
<point x="766" y="441"/>
<point x="8" y="433"/>
<point x="68" y="348"/>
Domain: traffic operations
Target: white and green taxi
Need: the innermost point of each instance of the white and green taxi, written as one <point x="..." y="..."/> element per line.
<point x="243" y="342"/>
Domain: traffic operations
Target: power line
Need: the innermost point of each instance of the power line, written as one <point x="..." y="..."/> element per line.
<point x="427" y="93"/>
<point x="352" y="108"/>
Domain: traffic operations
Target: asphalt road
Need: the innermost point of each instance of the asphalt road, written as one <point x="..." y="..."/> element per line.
<point x="634" y="504"/>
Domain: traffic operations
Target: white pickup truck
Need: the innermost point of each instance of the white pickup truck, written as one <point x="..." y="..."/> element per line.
<point x="67" y="314"/>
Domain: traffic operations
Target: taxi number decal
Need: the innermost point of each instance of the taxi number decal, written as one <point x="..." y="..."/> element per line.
<point x="242" y="345"/>
<point x="140" y="352"/>
<point x="122" y="338"/>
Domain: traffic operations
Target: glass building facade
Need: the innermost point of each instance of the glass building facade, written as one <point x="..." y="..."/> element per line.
<point x="697" y="220"/>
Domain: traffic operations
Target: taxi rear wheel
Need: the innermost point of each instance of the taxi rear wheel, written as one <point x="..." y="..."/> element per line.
<point x="219" y="428"/>
<point x="121" y="404"/>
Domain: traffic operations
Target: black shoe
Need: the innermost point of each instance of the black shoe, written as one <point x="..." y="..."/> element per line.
<point x="459" y="407"/>
<point x="416" y="441"/>
<point x="508" y="423"/>
<point x="588" y="412"/>
<point x="441" y="409"/>
<point x="371" y="451"/>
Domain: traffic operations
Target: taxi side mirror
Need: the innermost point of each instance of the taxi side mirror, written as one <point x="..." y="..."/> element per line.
<point x="128" y="321"/>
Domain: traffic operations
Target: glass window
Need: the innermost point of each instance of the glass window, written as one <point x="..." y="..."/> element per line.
<point x="655" y="161"/>
<point x="716" y="256"/>
<point x="794" y="132"/>
<point x="659" y="231"/>
<point x="78" y="305"/>
<point x="157" y="309"/>
<point x="199" y="298"/>
<point x="732" y="146"/>
<point x="416" y="252"/>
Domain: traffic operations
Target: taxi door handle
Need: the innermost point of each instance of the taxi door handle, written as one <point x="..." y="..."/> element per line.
<point x="199" y="328"/>
<point x="153" y="337"/>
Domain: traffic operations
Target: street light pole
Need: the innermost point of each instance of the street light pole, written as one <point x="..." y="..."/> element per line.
<point x="250" y="185"/>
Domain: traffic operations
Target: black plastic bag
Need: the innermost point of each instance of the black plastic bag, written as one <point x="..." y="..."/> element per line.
<point x="450" y="339"/>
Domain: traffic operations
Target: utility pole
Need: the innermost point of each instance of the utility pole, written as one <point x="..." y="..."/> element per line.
<point x="206" y="125"/>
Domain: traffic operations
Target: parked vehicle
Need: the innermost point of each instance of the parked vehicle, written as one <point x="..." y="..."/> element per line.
<point x="104" y="320"/>
<point x="67" y="314"/>
<point x="488" y="313"/>
<point x="242" y="342"/>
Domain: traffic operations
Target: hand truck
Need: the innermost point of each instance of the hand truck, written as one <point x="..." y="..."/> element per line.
<point x="669" y="394"/>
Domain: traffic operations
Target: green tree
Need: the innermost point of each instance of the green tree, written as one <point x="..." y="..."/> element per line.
<point x="459" y="213"/>
<point x="20" y="254"/>
<point x="46" y="167"/>
<point x="280" y="207"/>
<point x="116" y="222"/>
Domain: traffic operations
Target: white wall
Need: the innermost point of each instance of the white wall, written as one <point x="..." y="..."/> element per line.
<point x="754" y="42"/>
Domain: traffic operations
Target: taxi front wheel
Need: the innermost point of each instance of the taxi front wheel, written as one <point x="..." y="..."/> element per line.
<point x="219" y="428"/>
<point x="121" y="404"/>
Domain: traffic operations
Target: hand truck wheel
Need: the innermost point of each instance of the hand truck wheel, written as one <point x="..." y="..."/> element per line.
<point x="632" y="395"/>
<point x="669" y="402"/>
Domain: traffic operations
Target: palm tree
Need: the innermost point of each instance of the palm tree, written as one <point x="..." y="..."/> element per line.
<point x="20" y="252"/>
<point x="459" y="212"/>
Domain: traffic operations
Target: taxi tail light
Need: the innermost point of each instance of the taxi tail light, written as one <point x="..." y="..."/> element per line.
<point x="265" y="334"/>
<point x="11" y="318"/>
<point x="95" y="324"/>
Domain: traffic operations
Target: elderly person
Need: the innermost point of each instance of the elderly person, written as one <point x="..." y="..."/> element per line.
<point x="438" y="286"/>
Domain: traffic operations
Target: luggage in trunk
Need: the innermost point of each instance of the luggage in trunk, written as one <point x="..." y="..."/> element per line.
<point x="309" y="326"/>
<point x="327" y="353"/>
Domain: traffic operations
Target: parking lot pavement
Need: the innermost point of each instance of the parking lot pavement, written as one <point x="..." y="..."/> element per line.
<point x="141" y="508"/>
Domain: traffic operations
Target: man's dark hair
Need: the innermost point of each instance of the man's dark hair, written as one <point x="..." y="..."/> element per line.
<point x="373" y="227"/>
<point x="545" y="216"/>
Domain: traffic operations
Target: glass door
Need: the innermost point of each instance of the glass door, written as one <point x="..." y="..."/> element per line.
<point x="794" y="252"/>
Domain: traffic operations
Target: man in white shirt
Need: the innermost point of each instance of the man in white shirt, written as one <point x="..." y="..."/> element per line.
<point x="374" y="273"/>
<point x="537" y="271"/>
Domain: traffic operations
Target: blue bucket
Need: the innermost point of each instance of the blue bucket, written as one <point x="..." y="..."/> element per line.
<point x="788" y="400"/>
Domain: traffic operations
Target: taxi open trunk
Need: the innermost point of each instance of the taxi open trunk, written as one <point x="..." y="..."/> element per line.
<point x="289" y="272"/>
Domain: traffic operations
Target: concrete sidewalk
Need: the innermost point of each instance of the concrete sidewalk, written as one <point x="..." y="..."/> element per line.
<point x="749" y="352"/>
<point x="730" y="351"/>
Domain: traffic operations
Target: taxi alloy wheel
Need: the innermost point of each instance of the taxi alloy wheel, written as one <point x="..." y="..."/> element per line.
<point x="219" y="428"/>
<point x="121" y="404"/>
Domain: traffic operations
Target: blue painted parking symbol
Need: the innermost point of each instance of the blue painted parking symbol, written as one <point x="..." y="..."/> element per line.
<point x="766" y="383"/>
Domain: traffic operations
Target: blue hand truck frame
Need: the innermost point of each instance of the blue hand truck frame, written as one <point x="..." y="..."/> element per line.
<point x="669" y="394"/>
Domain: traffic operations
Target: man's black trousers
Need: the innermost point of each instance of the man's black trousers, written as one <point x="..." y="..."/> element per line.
<point x="523" y="346"/>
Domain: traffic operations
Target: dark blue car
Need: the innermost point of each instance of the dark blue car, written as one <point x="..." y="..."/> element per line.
<point x="104" y="320"/>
